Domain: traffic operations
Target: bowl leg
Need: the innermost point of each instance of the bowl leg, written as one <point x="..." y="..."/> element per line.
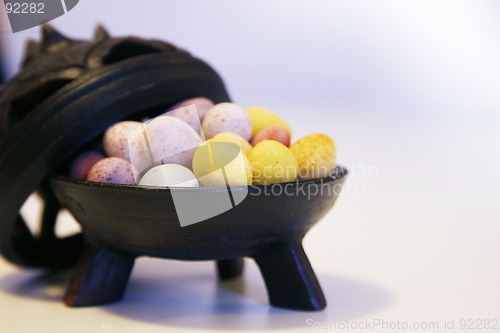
<point x="289" y="277"/>
<point x="100" y="277"/>
<point x="230" y="269"/>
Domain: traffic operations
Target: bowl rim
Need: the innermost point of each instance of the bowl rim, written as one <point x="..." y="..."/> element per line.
<point x="338" y="173"/>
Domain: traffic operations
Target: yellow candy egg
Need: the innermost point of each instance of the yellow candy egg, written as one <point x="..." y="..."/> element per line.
<point x="315" y="156"/>
<point x="262" y="118"/>
<point x="272" y="162"/>
<point x="221" y="163"/>
<point x="235" y="138"/>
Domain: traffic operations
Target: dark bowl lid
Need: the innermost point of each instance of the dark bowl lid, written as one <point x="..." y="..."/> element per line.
<point x="66" y="94"/>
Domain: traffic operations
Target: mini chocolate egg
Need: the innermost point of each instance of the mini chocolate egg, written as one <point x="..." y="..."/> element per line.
<point x="81" y="165"/>
<point x="220" y="163"/>
<point x="115" y="139"/>
<point x="114" y="170"/>
<point x="202" y="105"/>
<point x="164" y="140"/>
<point x="170" y="175"/>
<point x="276" y="133"/>
<point x="238" y="139"/>
<point x="262" y="118"/>
<point x="272" y="163"/>
<point x="315" y="156"/>
<point x="227" y="117"/>
<point x="187" y="114"/>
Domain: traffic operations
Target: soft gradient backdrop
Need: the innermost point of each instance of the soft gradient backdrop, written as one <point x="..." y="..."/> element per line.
<point x="409" y="91"/>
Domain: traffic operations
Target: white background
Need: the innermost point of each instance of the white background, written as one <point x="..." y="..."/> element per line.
<point x="409" y="91"/>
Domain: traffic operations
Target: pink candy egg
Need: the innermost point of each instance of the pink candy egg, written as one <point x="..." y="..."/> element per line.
<point x="112" y="170"/>
<point x="82" y="164"/>
<point x="116" y="139"/>
<point x="202" y="106"/>
<point x="276" y="133"/>
<point x="187" y="114"/>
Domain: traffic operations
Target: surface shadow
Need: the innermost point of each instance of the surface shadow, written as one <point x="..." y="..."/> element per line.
<point x="193" y="298"/>
<point x="43" y="285"/>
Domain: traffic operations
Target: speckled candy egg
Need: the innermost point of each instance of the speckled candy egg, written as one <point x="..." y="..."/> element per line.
<point x="169" y="140"/>
<point x="82" y="164"/>
<point x="315" y="156"/>
<point x="202" y="106"/>
<point x="262" y="118"/>
<point x="115" y="139"/>
<point x="169" y="175"/>
<point x="276" y="133"/>
<point x="245" y="146"/>
<point x="227" y="117"/>
<point x="112" y="170"/>
<point x="187" y="114"/>
<point x="272" y="163"/>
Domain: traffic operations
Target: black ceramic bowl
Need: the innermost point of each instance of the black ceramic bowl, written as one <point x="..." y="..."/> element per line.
<point x="122" y="222"/>
<point x="67" y="94"/>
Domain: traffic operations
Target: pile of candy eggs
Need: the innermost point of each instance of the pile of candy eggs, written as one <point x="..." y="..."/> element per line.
<point x="219" y="145"/>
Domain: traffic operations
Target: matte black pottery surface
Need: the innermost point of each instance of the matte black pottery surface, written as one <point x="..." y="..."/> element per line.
<point x="67" y="93"/>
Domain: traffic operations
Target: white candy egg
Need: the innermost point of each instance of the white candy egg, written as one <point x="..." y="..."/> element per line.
<point x="227" y="117"/>
<point x="164" y="140"/>
<point x="174" y="175"/>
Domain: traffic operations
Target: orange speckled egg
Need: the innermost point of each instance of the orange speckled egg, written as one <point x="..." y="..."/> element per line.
<point x="276" y="133"/>
<point x="112" y="170"/>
